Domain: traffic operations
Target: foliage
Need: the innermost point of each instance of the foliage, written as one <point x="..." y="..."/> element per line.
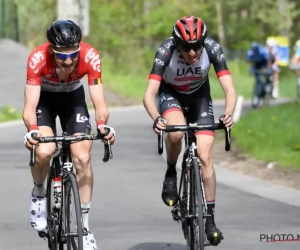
<point x="271" y="134"/>
<point x="8" y="114"/>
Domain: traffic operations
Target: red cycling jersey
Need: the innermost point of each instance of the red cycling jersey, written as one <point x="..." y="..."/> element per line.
<point x="42" y="70"/>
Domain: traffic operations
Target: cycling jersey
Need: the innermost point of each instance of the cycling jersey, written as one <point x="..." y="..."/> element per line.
<point x="170" y="67"/>
<point x="259" y="60"/>
<point x="42" y="70"/>
<point x="297" y="54"/>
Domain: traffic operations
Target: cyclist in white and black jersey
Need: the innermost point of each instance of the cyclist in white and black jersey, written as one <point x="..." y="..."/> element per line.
<point x="180" y="76"/>
<point x="273" y="64"/>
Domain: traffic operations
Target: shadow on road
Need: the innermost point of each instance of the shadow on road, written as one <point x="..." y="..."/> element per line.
<point x="158" y="246"/>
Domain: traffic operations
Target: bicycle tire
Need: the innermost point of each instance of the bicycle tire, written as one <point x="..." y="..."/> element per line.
<point x="51" y="225"/>
<point x="197" y="209"/>
<point x="71" y="188"/>
<point x="187" y="228"/>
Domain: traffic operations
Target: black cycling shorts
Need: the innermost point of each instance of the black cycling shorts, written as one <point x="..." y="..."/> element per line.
<point x="199" y="104"/>
<point x="70" y="107"/>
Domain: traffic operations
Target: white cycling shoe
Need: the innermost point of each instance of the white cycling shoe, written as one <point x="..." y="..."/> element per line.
<point x="89" y="242"/>
<point x="38" y="216"/>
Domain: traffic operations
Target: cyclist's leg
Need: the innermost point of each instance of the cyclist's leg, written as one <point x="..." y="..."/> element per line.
<point x="171" y="110"/>
<point x="76" y="120"/>
<point x="41" y="167"/>
<point x="275" y="91"/>
<point x="202" y="112"/>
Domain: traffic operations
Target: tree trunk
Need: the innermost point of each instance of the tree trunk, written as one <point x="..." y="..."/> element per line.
<point x="221" y="30"/>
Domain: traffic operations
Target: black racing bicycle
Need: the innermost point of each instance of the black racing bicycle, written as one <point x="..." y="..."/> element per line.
<point x="64" y="222"/>
<point x="191" y="208"/>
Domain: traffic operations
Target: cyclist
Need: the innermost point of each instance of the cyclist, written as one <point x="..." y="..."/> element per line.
<point x="257" y="57"/>
<point x="295" y="61"/>
<point x="54" y="73"/>
<point x="180" y="75"/>
<point x="273" y="64"/>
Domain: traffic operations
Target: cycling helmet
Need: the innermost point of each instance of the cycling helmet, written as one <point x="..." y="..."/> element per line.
<point x="255" y="46"/>
<point x="189" y="30"/>
<point x="271" y="42"/>
<point x="64" y="34"/>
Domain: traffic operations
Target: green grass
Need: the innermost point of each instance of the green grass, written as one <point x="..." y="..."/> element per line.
<point x="271" y="134"/>
<point x="132" y="81"/>
<point x="9" y="114"/>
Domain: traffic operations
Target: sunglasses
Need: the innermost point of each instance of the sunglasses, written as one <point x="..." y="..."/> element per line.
<point x="65" y="56"/>
<point x="194" y="47"/>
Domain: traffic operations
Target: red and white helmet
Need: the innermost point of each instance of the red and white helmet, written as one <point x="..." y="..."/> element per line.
<point x="189" y="30"/>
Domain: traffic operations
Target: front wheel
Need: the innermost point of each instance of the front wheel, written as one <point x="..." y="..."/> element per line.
<point x="197" y="208"/>
<point x="73" y="218"/>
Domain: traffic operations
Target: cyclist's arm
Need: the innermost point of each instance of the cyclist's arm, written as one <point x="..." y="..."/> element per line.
<point x="32" y="96"/>
<point x="161" y="61"/>
<point x="149" y="98"/>
<point x="98" y="99"/>
<point x="96" y="88"/>
<point x="32" y="89"/>
<point x="219" y="62"/>
<point x="230" y="94"/>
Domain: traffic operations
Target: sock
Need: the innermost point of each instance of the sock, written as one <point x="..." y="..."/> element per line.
<point x="85" y="210"/>
<point x="39" y="189"/>
<point x="171" y="170"/>
<point x="210" y="212"/>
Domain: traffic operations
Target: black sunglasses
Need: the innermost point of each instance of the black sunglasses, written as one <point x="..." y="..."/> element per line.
<point x="194" y="47"/>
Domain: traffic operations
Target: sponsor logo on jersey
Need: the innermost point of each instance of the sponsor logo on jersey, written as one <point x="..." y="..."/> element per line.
<point x="162" y="51"/>
<point x="184" y="71"/>
<point x="93" y="59"/>
<point x="168" y="44"/>
<point x="35" y="60"/>
<point x="209" y="41"/>
<point x="159" y="62"/>
<point x="216" y="48"/>
<point x="221" y="57"/>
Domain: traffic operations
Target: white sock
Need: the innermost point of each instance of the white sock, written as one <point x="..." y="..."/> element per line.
<point x="85" y="210"/>
<point x="39" y="189"/>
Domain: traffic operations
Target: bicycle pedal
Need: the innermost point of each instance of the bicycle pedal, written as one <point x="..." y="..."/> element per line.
<point x="43" y="234"/>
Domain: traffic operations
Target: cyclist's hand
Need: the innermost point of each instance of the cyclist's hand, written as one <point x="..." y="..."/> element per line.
<point x="29" y="141"/>
<point x="111" y="135"/>
<point x="159" y="124"/>
<point x="227" y="120"/>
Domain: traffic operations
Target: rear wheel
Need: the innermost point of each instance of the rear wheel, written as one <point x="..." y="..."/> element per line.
<point x="73" y="218"/>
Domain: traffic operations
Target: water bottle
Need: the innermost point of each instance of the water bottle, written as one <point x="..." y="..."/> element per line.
<point x="57" y="191"/>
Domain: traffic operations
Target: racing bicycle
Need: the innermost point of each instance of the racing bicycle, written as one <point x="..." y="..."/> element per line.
<point x="191" y="208"/>
<point x="262" y="88"/>
<point x="64" y="222"/>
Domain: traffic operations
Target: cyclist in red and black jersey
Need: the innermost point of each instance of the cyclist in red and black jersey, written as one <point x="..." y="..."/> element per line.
<point x="180" y="76"/>
<point x="53" y="86"/>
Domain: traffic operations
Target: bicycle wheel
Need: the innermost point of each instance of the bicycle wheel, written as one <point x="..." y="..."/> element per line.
<point x="197" y="208"/>
<point x="51" y="213"/>
<point x="73" y="219"/>
<point x="187" y="211"/>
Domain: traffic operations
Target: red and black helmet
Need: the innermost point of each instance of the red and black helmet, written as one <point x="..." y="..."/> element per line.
<point x="189" y="30"/>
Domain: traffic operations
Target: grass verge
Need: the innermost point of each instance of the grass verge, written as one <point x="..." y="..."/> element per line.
<point x="271" y="134"/>
<point x="9" y="114"/>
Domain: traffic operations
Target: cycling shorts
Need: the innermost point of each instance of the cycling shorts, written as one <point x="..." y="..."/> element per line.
<point x="199" y="103"/>
<point x="70" y="107"/>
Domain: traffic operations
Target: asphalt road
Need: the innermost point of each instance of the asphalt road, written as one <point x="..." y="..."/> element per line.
<point x="127" y="212"/>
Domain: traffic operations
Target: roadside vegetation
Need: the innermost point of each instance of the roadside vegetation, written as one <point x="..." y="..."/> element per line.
<point x="271" y="134"/>
<point x="9" y="114"/>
